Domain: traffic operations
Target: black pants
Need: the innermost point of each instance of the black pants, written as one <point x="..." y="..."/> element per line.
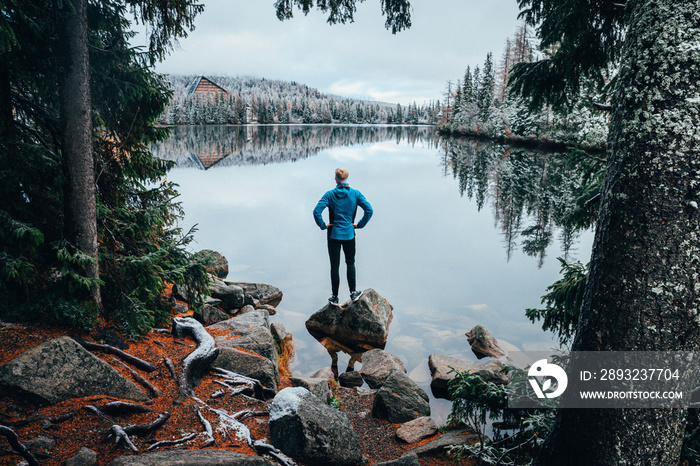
<point x="348" y="246"/>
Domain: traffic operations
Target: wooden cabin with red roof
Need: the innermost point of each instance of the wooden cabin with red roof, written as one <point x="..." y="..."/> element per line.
<point x="205" y="87"/>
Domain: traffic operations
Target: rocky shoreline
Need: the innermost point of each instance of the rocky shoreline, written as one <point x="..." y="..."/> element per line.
<point x="230" y="400"/>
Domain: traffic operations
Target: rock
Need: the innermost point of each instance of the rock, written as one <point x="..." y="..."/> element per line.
<point x="325" y="373"/>
<point x="364" y="323"/>
<point x="306" y="429"/>
<point x="279" y="333"/>
<point x="244" y="322"/>
<point x="248" y="308"/>
<point x="85" y="457"/>
<point x="210" y="315"/>
<point x="180" y="292"/>
<point x="215" y="263"/>
<point x="250" y="365"/>
<point x="417" y="429"/>
<point x="261" y="292"/>
<point x="483" y="344"/>
<point x="212" y="301"/>
<point x="258" y="340"/>
<point x="249" y="331"/>
<point x="441" y="371"/>
<point x="270" y="309"/>
<point x="192" y="458"/>
<point x="400" y="399"/>
<point x="180" y="308"/>
<point x="61" y="369"/>
<point x="231" y="296"/>
<point x="409" y="459"/>
<point x="350" y="379"/>
<point x="318" y="387"/>
<point x="377" y="364"/>
<point x="41" y="443"/>
<point x="449" y="439"/>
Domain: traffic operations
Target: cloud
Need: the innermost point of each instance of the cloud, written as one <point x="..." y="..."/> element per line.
<point x="362" y="59"/>
<point x="477" y="307"/>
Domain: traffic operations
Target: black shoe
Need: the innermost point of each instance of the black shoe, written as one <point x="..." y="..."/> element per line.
<point x="355" y="295"/>
<point x="333" y="300"/>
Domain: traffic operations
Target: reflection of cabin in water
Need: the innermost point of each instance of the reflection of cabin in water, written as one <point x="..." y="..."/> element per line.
<point x="209" y="156"/>
<point x="205" y="87"/>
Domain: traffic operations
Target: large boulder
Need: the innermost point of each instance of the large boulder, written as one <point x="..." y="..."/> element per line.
<point x="210" y="315"/>
<point x="215" y="263"/>
<point x="250" y="365"/>
<point x="192" y="458"/>
<point x="483" y="344"/>
<point x="231" y="296"/>
<point x="61" y="369"/>
<point x="261" y="292"/>
<point x="400" y="399"/>
<point x="377" y="364"/>
<point x="306" y="429"/>
<point x="244" y="322"/>
<point x="442" y="369"/>
<point x="249" y="331"/>
<point x="362" y="324"/>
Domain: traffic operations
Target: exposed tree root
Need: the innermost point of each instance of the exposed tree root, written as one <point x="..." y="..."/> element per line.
<point x="199" y="360"/>
<point x="53" y="419"/>
<point x="143" y="430"/>
<point x="207" y="429"/>
<point x="121" y="434"/>
<point x="121" y="437"/>
<point x="133" y="360"/>
<point x="17" y="446"/>
<point x="263" y="448"/>
<point x="169" y="443"/>
<point x="257" y="390"/>
<point x="122" y="407"/>
<point x="152" y="389"/>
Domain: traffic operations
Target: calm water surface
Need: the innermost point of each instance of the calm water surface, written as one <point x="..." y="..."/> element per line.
<point x="463" y="233"/>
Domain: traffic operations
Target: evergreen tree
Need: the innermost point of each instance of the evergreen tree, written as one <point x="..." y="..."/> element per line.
<point x="485" y="90"/>
<point x="468" y="87"/>
<point x="647" y="226"/>
<point x="138" y="247"/>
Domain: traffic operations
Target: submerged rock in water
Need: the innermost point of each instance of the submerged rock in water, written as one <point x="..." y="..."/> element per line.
<point x="363" y="324"/>
<point x="483" y="344"/>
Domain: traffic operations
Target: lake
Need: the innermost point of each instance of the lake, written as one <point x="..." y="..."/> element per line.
<point x="463" y="232"/>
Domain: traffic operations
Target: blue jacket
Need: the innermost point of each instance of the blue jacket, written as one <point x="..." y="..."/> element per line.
<point x="342" y="203"/>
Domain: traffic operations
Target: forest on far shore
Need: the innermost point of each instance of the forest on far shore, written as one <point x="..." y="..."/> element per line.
<point x="259" y="100"/>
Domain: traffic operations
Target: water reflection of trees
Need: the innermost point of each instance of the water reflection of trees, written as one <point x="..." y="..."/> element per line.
<point x="215" y="146"/>
<point x="530" y="190"/>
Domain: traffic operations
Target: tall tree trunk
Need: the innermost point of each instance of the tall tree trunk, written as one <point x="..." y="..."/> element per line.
<point x="76" y="128"/>
<point x="643" y="291"/>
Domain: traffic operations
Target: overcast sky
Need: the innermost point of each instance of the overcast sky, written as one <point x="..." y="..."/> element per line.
<point x="362" y="59"/>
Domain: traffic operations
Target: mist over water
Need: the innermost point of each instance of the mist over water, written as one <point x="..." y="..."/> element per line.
<point x="463" y="232"/>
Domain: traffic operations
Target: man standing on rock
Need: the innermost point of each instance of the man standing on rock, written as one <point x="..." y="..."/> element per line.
<point x="342" y="203"/>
